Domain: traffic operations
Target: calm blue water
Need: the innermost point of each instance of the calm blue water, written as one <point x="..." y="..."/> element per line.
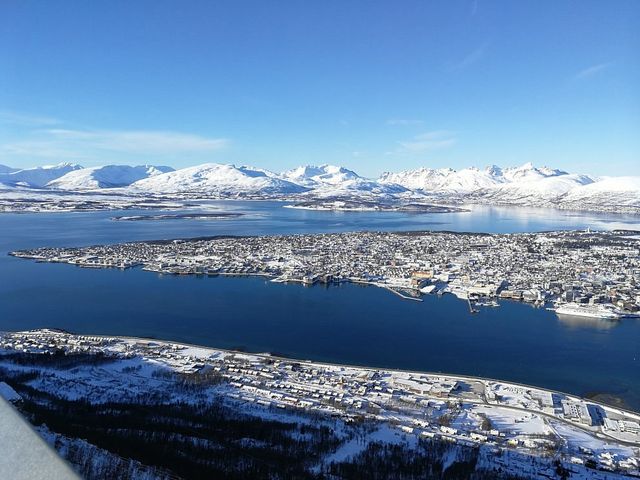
<point x="350" y="324"/>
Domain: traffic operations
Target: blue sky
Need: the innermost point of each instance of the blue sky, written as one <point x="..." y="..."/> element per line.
<point x="370" y="85"/>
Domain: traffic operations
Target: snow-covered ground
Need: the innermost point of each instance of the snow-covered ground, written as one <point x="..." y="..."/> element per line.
<point x="21" y="199"/>
<point x="526" y="185"/>
<point x="539" y="427"/>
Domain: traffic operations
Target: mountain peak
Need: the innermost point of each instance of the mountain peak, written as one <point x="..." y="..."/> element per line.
<point x="218" y="179"/>
<point x="310" y="175"/>
<point x="106" y="176"/>
<point x="37" y="177"/>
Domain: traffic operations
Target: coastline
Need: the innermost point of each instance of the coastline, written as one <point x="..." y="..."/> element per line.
<point x="368" y="368"/>
<point x="537" y="429"/>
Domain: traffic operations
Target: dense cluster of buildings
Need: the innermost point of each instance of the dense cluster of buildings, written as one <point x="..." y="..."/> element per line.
<point x="565" y="266"/>
<point x="468" y="410"/>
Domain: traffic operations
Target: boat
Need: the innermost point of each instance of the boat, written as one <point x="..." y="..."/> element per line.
<point x="428" y="289"/>
<point x="487" y="302"/>
<point x="593" y="311"/>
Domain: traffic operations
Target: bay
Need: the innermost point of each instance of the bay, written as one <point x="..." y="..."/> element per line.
<point x="343" y="324"/>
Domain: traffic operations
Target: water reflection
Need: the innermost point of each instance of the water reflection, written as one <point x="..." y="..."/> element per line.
<point x="578" y="322"/>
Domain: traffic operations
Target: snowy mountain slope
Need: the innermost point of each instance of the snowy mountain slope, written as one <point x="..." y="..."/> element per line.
<point x="467" y="180"/>
<point x="37" y="177"/>
<point x="358" y="188"/>
<point x="528" y="173"/>
<point x="426" y="179"/>
<point x="312" y="176"/>
<point x="4" y="169"/>
<point x="525" y="185"/>
<point x="334" y="181"/>
<point x="445" y="179"/>
<point x="566" y="191"/>
<point x="470" y="179"/>
<point x="108" y="176"/>
<point x="217" y="179"/>
<point x="331" y="181"/>
<point x="539" y="189"/>
<point x="609" y="192"/>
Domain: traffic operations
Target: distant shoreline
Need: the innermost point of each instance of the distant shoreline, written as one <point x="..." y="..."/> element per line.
<point x="177" y="216"/>
<point x="346" y="205"/>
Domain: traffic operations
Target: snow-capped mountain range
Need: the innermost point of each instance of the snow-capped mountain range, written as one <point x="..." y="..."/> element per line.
<point x="108" y="176"/>
<point x="331" y="180"/>
<point x="469" y="179"/>
<point x="523" y="185"/>
<point x="36" y="177"/>
<point x="218" y="180"/>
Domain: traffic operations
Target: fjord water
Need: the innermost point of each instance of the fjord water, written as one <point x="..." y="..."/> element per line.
<point x="342" y="324"/>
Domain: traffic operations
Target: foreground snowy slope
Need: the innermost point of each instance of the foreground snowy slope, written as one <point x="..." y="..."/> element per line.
<point x="108" y="176"/>
<point x="263" y="416"/>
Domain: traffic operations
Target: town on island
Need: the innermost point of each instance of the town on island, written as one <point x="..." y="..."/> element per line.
<point x="575" y="273"/>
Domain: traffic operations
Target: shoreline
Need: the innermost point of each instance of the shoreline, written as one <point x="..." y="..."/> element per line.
<point x="31" y="198"/>
<point x="278" y="279"/>
<point x="369" y="368"/>
<point x="467" y="411"/>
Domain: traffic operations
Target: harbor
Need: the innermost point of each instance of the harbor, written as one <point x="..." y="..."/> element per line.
<point x="479" y="269"/>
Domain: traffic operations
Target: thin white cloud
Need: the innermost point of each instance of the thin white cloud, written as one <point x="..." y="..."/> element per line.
<point x="404" y="122"/>
<point x="428" y="141"/>
<point x="471" y="58"/>
<point x="592" y="70"/>
<point x="139" y="141"/>
<point x="38" y="149"/>
<point x="25" y="119"/>
<point x="98" y="145"/>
